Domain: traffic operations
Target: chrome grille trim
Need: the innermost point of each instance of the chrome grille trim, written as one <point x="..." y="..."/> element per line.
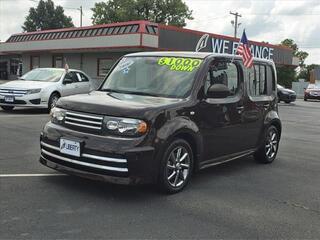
<point x="12" y="92"/>
<point x="117" y="169"/>
<point x="82" y="125"/>
<point x="83" y="120"/>
<point x="108" y="159"/>
<point x="84" y="115"/>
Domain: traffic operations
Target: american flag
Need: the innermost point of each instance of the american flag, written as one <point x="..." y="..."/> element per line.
<point x="244" y="51"/>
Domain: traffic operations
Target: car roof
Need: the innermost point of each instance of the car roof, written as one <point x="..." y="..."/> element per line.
<point x="201" y="55"/>
<point x="70" y="69"/>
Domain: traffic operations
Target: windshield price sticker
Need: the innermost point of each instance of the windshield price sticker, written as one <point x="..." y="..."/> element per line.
<point x="180" y="64"/>
<point x="124" y="65"/>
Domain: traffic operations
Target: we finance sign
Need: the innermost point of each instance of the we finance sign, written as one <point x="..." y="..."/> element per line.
<point x="230" y="47"/>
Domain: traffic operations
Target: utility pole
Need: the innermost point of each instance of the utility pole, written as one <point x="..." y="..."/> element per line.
<point x="81" y="16"/>
<point x="235" y="22"/>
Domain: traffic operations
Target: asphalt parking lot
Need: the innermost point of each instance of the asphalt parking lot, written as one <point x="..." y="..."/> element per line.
<point x="240" y="199"/>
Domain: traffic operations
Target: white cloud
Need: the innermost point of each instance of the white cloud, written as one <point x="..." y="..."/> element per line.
<point x="264" y="20"/>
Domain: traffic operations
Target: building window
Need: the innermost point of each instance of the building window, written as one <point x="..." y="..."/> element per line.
<point x="57" y="61"/>
<point x="14" y="66"/>
<point x="104" y="66"/>
<point x="34" y="62"/>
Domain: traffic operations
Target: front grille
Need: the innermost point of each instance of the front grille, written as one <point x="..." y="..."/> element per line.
<point x="98" y="164"/>
<point x="12" y="92"/>
<point x="84" y="120"/>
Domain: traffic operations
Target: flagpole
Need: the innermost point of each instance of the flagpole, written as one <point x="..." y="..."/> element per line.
<point x="237" y="47"/>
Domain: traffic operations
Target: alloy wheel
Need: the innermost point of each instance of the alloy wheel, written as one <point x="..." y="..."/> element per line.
<point x="178" y="166"/>
<point x="54" y="101"/>
<point x="271" y="144"/>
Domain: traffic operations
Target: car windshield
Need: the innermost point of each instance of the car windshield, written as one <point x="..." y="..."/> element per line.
<point x="313" y="86"/>
<point x="279" y="86"/>
<point x="153" y="76"/>
<point x="43" y="74"/>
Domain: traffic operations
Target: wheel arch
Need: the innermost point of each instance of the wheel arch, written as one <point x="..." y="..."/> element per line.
<point x="194" y="142"/>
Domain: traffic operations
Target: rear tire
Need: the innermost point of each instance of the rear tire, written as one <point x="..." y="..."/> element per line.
<point x="53" y="101"/>
<point x="176" y="166"/>
<point x="7" y="108"/>
<point x="305" y="99"/>
<point x="269" y="149"/>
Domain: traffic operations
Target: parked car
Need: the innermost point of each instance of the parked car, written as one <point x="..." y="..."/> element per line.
<point x="160" y="116"/>
<point x="42" y="87"/>
<point x="312" y="92"/>
<point x="286" y="95"/>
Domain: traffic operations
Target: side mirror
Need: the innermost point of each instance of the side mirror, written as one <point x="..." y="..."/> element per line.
<point x="218" y="91"/>
<point x="67" y="81"/>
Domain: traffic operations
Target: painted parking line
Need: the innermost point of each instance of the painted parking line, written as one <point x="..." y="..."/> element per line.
<point x="32" y="175"/>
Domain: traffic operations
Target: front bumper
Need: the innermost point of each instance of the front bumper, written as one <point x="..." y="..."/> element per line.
<point x="29" y="100"/>
<point x="288" y="97"/>
<point x="311" y="96"/>
<point x="100" y="158"/>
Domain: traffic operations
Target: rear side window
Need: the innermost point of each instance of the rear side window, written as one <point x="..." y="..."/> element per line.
<point x="223" y="73"/>
<point x="271" y="78"/>
<point x="257" y="78"/>
<point x="82" y="77"/>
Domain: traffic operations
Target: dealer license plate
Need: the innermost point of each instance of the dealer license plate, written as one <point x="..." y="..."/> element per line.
<point x="9" y="99"/>
<point x="70" y="147"/>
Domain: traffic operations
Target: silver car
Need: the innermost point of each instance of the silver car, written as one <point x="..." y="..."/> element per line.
<point x="42" y="87"/>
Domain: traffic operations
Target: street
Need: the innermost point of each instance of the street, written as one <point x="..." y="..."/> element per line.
<point x="239" y="199"/>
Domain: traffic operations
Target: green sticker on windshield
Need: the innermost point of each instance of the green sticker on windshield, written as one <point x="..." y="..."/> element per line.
<point x="180" y="64"/>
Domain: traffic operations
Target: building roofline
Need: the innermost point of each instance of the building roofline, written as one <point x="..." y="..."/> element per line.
<point x="138" y="22"/>
<point x="142" y="29"/>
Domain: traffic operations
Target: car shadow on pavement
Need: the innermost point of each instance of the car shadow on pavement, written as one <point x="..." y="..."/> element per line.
<point x="105" y="190"/>
<point x="25" y="111"/>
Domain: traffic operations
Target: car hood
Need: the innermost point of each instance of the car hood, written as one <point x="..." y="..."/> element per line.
<point x="117" y="104"/>
<point x="23" y="84"/>
<point x="287" y="90"/>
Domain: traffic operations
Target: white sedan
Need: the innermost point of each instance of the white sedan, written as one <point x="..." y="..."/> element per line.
<point x="42" y="87"/>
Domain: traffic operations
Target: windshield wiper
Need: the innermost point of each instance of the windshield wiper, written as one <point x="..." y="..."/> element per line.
<point x="129" y="92"/>
<point x="142" y="93"/>
<point x="111" y="90"/>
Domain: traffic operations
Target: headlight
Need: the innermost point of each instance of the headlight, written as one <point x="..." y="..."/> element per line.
<point x="57" y="115"/>
<point x="125" y="126"/>
<point x="32" y="91"/>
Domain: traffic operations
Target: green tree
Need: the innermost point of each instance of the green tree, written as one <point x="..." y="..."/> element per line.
<point x="305" y="73"/>
<point x="46" y="16"/>
<point x="173" y="12"/>
<point x="301" y="55"/>
<point x="287" y="74"/>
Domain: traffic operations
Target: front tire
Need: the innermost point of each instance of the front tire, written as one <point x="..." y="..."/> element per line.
<point x="53" y="101"/>
<point x="268" y="151"/>
<point x="7" y="108"/>
<point x="176" y="166"/>
<point x="287" y="102"/>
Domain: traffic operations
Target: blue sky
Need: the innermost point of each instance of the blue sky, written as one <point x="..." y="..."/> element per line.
<point x="264" y="20"/>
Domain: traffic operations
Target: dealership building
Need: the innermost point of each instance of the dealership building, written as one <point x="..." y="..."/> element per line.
<point x="95" y="49"/>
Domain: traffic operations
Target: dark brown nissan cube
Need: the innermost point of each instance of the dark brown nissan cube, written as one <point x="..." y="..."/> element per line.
<point x="158" y="117"/>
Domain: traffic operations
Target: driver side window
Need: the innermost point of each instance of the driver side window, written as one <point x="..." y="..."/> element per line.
<point x="72" y="76"/>
<point x="223" y="73"/>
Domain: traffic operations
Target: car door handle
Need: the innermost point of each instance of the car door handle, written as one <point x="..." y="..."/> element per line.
<point x="240" y="109"/>
<point x="266" y="106"/>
